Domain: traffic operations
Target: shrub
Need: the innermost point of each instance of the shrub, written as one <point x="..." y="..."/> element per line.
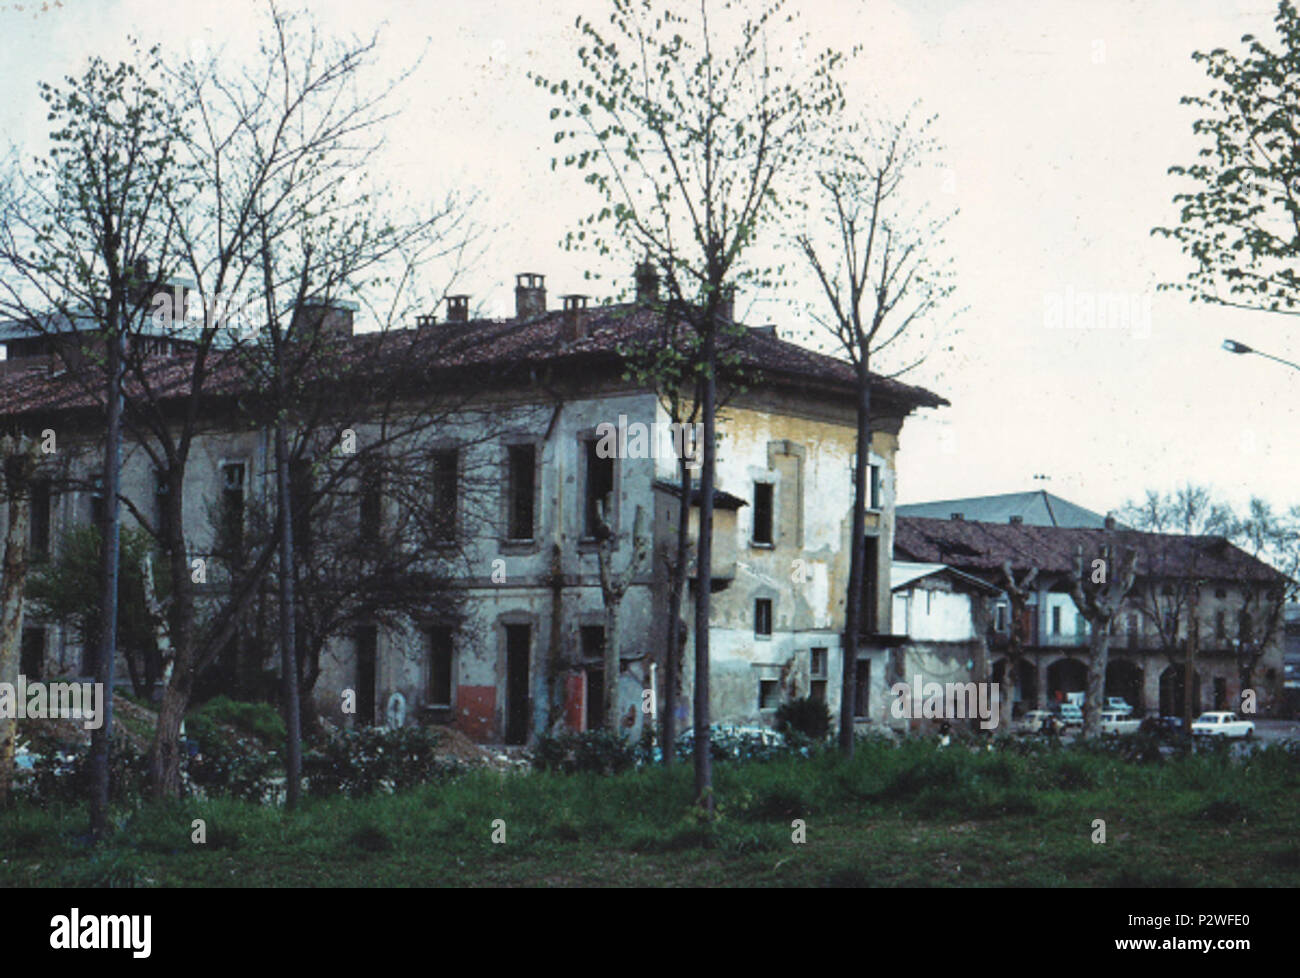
<point x="597" y="751"/>
<point x="360" y="762"/>
<point x="62" y="776"/>
<point x="260" y="720"/>
<point x="805" y="716"/>
<point x="238" y="768"/>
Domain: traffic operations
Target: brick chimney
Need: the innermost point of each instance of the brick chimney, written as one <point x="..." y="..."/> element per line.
<point x="457" y="308"/>
<point x="530" y="295"/>
<point x="332" y="319"/>
<point x="426" y="319"/>
<point x="647" y="284"/>
<point x="574" y="326"/>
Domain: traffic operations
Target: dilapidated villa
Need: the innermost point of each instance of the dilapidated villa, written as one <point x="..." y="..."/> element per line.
<point x="522" y="495"/>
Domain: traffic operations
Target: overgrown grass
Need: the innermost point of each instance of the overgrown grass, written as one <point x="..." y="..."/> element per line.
<point x="911" y="815"/>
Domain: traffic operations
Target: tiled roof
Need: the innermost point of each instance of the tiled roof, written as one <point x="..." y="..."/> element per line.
<point x="983" y="547"/>
<point x="446" y="350"/>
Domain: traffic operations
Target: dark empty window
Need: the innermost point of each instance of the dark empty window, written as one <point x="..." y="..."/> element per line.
<point x="873" y="486"/>
<point x="440" y="653"/>
<point x="763" y="616"/>
<point x="97" y="507"/>
<point x="161" y="507"/>
<point x="862" y="688"/>
<point x="372" y="503"/>
<point x="1245" y="627"/>
<point x="445" y="476"/>
<point x="1056" y="620"/>
<point x="599" y="489"/>
<point x="1220" y="625"/>
<point x="769" y="694"/>
<point x="592" y="641"/>
<point x="522" y="491"/>
<point x="40" y="518"/>
<point x="232" y="506"/>
<point x="762" y="512"/>
<point x="33" y="652"/>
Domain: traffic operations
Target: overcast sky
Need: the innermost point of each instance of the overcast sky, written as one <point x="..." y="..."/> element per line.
<point x="1060" y="120"/>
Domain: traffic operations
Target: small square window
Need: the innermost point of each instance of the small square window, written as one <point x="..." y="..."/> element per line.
<point x="763" y="616"/>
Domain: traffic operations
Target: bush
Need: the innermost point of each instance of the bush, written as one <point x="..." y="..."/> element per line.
<point x="238" y="768"/>
<point x="806" y="716"/>
<point x="360" y="762"/>
<point x="63" y="776"/>
<point x="596" y="751"/>
<point x="260" y="720"/>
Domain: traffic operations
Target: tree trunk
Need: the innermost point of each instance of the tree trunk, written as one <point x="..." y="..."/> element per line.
<point x="675" y="642"/>
<point x="178" y="674"/>
<point x="853" y="611"/>
<point x="1098" y="659"/>
<point x="613" y="604"/>
<point x="101" y="738"/>
<point x="288" y="638"/>
<point x="18" y="464"/>
<point x="704" y="576"/>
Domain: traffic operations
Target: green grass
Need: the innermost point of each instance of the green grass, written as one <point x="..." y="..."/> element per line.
<point x="895" y="816"/>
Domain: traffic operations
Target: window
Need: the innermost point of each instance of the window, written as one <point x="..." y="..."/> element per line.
<point x="817" y="670"/>
<point x="232" y="506"/>
<point x="1000" y="617"/>
<point x="1220" y="625"/>
<point x="161" y="509"/>
<point x="1245" y="628"/>
<point x="769" y="694"/>
<point x="862" y="689"/>
<point x="522" y="482"/>
<point x="592" y="641"/>
<point x="33" y="652"/>
<point x="599" y="489"/>
<point x="371" y="517"/>
<point x="40" y="519"/>
<point x="445" y="477"/>
<point x="763" y="617"/>
<point x="97" y="508"/>
<point x="763" y="512"/>
<point x="440" y="671"/>
<point x="1056" y="619"/>
<point x="873" y="486"/>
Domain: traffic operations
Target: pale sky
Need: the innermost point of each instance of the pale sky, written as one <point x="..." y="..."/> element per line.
<point x="1060" y="121"/>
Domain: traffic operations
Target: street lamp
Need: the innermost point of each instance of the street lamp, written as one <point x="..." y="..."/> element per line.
<point x="1232" y="346"/>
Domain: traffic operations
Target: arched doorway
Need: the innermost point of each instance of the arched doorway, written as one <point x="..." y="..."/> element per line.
<point x="1065" y="676"/>
<point x="1171" y="692"/>
<point x="1124" y="678"/>
<point x="1024" y="691"/>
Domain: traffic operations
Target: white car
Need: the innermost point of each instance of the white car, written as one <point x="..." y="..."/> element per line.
<point x="1115" y="722"/>
<point x="1117" y="704"/>
<point x="1071" y="715"/>
<point x="1222" y="725"/>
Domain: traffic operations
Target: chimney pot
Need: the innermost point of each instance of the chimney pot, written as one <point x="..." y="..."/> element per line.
<point x="457" y="308"/>
<point x="647" y="284"/>
<point x="575" y="315"/>
<point x="425" y="319"/>
<point x="530" y="295"/>
<point x="1110" y="521"/>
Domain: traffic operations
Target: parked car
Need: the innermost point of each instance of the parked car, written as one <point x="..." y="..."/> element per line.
<point x="1032" y="722"/>
<point x="1222" y="725"/>
<point x="1117" y="704"/>
<point x="1115" y="722"/>
<point x="1071" y="715"/>
<point x="1165" y="727"/>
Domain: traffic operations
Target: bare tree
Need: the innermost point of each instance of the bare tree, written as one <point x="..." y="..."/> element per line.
<point x="613" y="586"/>
<point x="876" y="259"/>
<point x="19" y="457"/>
<point x="685" y="122"/>
<point x="1018" y="593"/>
<point x="1098" y="588"/>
